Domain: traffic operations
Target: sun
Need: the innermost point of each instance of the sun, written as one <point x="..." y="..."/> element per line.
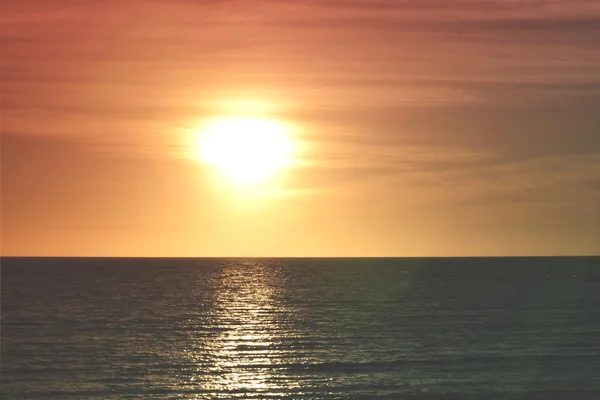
<point x="246" y="150"/>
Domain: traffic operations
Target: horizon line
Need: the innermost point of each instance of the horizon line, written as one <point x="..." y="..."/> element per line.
<point x="298" y="257"/>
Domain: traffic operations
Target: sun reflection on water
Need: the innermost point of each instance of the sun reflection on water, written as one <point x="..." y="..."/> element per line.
<point x="238" y="358"/>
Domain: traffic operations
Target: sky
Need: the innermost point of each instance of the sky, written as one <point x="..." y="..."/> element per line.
<point x="422" y="127"/>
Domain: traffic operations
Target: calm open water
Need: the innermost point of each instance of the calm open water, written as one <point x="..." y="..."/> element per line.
<point x="499" y="328"/>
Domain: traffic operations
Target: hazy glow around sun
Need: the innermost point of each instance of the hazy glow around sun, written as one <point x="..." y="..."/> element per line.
<point x="246" y="150"/>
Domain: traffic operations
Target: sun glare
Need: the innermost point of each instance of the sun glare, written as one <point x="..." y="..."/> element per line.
<point x="245" y="150"/>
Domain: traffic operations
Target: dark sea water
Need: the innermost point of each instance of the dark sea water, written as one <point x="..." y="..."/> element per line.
<point x="497" y="328"/>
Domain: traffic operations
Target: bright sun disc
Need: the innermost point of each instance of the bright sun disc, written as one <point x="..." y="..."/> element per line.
<point x="246" y="150"/>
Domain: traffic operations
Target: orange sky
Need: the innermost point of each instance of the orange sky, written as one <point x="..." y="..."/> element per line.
<point x="425" y="128"/>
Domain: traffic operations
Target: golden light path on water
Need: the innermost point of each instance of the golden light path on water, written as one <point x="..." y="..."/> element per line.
<point x="251" y="327"/>
<point x="245" y="309"/>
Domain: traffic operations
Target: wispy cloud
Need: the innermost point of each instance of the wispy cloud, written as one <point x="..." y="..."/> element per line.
<point x="478" y="114"/>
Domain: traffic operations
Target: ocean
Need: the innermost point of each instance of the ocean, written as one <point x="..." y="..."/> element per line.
<point x="370" y="328"/>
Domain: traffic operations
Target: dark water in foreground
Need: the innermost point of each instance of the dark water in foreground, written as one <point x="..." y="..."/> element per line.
<point x="301" y="328"/>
